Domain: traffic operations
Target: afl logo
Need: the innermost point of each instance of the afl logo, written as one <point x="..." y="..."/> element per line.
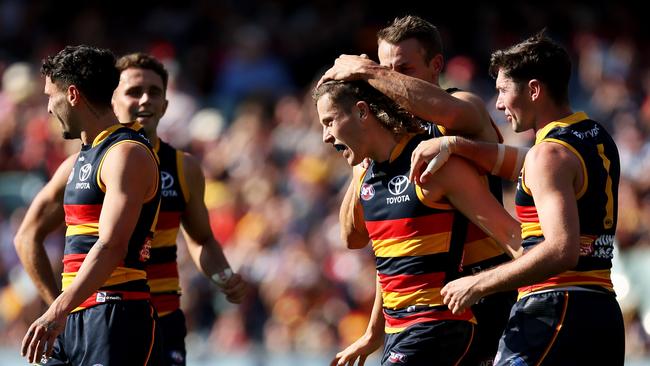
<point x="367" y="192"/>
<point x="84" y="172"/>
<point x="398" y="185"/>
<point x="167" y="180"/>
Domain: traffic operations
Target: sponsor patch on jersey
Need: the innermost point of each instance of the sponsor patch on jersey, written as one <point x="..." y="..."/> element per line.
<point x="398" y="184"/>
<point x="396" y="357"/>
<point x="367" y="192"/>
<point x="84" y="172"/>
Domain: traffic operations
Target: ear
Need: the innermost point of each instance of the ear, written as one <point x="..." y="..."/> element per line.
<point x="534" y="89"/>
<point x="363" y="109"/>
<point x="74" y="95"/>
<point x="164" y="109"/>
<point x="437" y="63"/>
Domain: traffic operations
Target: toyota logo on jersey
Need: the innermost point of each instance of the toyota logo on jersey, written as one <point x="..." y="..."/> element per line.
<point x="398" y="185"/>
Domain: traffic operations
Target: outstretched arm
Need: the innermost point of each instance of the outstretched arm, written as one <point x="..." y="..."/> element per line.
<point x="201" y="244"/>
<point x="44" y="215"/>
<point x="501" y="160"/>
<point x="551" y="175"/>
<point x="461" y="114"/>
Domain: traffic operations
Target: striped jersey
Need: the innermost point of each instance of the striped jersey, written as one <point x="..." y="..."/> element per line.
<point x="597" y="202"/>
<point x="162" y="269"/>
<point x="83" y="202"/>
<point x="413" y="241"/>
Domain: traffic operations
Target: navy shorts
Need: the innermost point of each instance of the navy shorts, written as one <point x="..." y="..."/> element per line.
<point x="111" y="334"/>
<point x="437" y="343"/>
<point x="561" y="328"/>
<point x="491" y="313"/>
<point x="172" y="338"/>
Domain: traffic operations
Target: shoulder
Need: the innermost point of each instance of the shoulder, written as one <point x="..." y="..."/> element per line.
<point x="550" y="154"/>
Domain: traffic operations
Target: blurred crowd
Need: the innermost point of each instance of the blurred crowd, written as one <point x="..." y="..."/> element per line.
<point x="240" y="101"/>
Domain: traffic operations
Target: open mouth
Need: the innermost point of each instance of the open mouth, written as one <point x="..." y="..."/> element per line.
<point x="143" y="114"/>
<point x="340" y="147"/>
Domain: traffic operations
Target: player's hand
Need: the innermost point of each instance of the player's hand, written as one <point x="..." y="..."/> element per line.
<point x="347" y="67"/>
<point x="359" y="350"/>
<point x="233" y="286"/>
<point x="460" y="294"/>
<point x="428" y="157"/>
<point x="38" y="343"/>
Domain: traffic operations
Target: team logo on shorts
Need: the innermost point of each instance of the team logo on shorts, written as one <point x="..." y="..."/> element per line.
<point x="396" y="357"/>
<point x="367" y="192"/>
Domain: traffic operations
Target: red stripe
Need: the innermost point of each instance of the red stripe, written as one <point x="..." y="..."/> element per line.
<point x="410" y="283"/>
<point x="72" y="262"/>
<point x="527" y="213"/>
<point x="168" y="220"/>
<point x="410" y="227"/>
<point x="82" y="214"/>
<point x="162" y="270"/>
<point x="421" y="317"/>
<point x="474" y="233"/>
<point x="165" y="303"/>
<point x="574" y="280"/>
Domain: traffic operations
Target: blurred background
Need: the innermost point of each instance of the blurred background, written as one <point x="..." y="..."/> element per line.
<point x="242" y="72"/>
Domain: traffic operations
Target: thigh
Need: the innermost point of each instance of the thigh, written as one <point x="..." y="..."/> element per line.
<point x="173" y="332"/>
<point x="430" y="343"/>
<point x="118" y="333"/>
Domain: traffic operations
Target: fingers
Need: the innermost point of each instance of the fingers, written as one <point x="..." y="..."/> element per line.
<point x="417" y="163"/>
<point x="235" y="289"/>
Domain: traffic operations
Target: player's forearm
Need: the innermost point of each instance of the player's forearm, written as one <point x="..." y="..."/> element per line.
<point x="353" y="237"/>
<point x="32" y="255"/>
<point x="208" y="257"/>
<point x="376" y="323"/>
<point x="100" y="262"/>
<point x="497" y="159"/>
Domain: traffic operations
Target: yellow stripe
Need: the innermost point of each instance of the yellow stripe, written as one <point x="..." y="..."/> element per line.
<point x="608" y="221"/>
<point x="164" y="238"/>
<point x="119" y="275"/>
<point x="430" y="203"/>
<point x="83" y="229"/>
<point x="585" y="182"/>
<point x="530" y="229"/>
<point x="180" y="170"/>
<point x="479" y="250"/>
<point x="164" y="285"/>
<point x="397" y="150"/>
<point x="421" y="245"/>
<point x="396" y="300"/>
<point x="104" y="134"/>
<point x="564" y="122"/>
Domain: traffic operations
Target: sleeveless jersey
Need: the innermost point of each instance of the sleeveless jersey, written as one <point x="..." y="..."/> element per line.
<point x="162" y="269"/>
<point x="413" y="241"/>
<point x="481" y="251"/>
<point x="597" y="202"/>
<point x="83" y="202"/>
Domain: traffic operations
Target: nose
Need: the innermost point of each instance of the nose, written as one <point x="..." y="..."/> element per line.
<point x="499" y="104"/>
<point x="327" y="136"/>
<point x="144" y="98"/>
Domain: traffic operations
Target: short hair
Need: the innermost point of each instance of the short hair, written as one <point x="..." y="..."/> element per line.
<point x="92" y="70"/>
<point x="538" y="57"/>
<point x="412" y="26"/>
<point x="347" y="93"/>
<point x="144" y="61"/>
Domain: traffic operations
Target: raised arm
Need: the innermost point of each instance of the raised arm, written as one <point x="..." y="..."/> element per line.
<point x="461" y="113"/>
<point x="353" y="228"/>
<point x="44" y="215"/>
<point x="501" y="160"/>
<point x="552" y="174"/>
<point x="205" y="251"/>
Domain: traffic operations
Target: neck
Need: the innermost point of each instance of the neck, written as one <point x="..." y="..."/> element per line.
<point x="97" y="124"/>
<point x="552" y="113"/>
<point x="384" y="142"/>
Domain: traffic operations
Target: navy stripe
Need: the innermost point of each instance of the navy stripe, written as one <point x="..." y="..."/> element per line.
<point x="79" y="244"/>
<point x="485" y="264"/>
<point x="131" y="286"/>
<point x="162" y="255"/>
<point x="392" y="266"/>
<point x="409" y="311"/>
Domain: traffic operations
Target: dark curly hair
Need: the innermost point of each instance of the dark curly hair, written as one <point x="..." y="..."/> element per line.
<point x="538" y="57"/>
<point x="92" y="70"/>
<point x="144" y="61"/>
<point x="347" y="93"/>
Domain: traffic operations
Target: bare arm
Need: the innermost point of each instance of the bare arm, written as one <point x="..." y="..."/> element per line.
<point x="461" y="114"/>
<point x="498" y="159"/>
<point x="353" y="228"/>
<point x="206" y="253"/>
<point x="474" y="200"/>
<point x="370" y="341"/>
<point x="44" y="215"/>
<point x="552" y="173"/>
<point x="130" y="175"/>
